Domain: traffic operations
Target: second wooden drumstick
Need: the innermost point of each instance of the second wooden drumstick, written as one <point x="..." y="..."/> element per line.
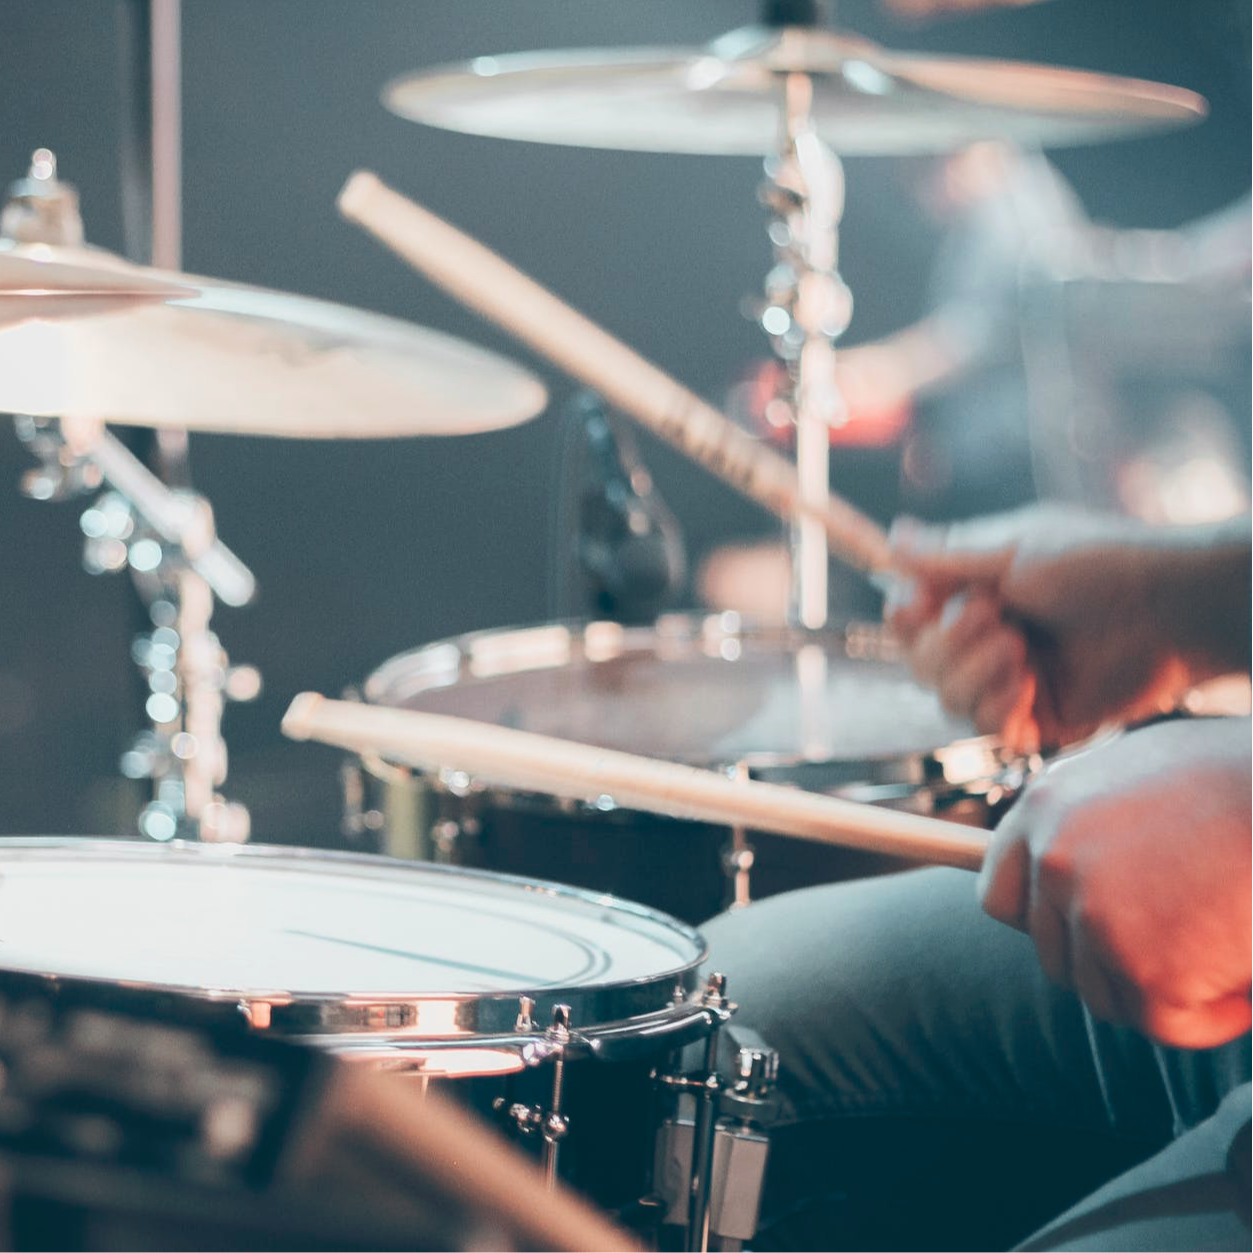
<point x="498" y="291"/>
<point x="544" y="764"/>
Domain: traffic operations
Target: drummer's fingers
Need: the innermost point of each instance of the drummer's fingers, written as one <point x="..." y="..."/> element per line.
<point x="1050" y="929"/>
<point x="1112" y="988"/>
<point x="999" y="713"/>
<point x="984" y="681"/>
<point x="1111" y="997"/>
<point x="1105" y="994"/>
<point x="910" y="603"/>
<point x="981" y="550"/>
<point x="942" y="641"/>
<point x="1005" y="878"/>
<point x="1197" y="1026"/>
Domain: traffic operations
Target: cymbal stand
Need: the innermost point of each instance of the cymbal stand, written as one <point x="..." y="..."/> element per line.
<point x="168" y="540"/>
<point x="807" y="308"/>
<point x="151" y="163"/>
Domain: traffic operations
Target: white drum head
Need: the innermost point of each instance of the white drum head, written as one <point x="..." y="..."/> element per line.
<point x="323" y="942"/>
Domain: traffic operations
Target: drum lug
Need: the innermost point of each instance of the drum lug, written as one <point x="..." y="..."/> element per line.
<point x="528" y="1120"/>
<point x="526" y="1007"/>
<point x="716" y="1005"/>
<point x="751" y="1098"/>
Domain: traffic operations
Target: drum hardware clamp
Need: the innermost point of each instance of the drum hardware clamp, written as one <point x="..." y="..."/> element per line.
<point x="710" y="1168"/>
<point x="527" y="1120"/>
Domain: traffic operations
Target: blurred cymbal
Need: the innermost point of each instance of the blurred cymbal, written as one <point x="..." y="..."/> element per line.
<point x="38" y="287"/>
<point x="725" y="97"/>
<point x="228" y="358"/>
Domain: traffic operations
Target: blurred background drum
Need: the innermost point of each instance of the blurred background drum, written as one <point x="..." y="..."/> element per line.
<point x="832" y="711"/>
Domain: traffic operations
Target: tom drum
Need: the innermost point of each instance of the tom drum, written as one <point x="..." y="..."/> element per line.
<point x="832" y="711"/>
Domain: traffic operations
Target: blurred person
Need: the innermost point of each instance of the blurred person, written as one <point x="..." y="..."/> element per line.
<point x="1058" y="358"/>
<point x="934" y="415"/>
<point x="1072" y="1059"/>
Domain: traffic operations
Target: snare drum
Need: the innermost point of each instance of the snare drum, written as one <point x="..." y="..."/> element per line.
<point x="437" y="972"/>
<point x="833" y="711"/>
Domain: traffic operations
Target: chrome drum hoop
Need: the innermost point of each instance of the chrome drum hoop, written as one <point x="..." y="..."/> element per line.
<point x="654" y="994"/>
<point x="600" y="682"/>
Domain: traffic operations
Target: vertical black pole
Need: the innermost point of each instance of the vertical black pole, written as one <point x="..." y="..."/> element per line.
<point x="795" y="12"/>
<point x="134" y="47"/>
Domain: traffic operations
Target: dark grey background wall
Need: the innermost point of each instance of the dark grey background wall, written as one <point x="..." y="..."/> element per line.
<point x="363" y="550"/>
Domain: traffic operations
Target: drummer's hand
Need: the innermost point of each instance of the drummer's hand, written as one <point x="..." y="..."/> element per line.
<point x="1129" y="866"/>
<point x="1037" y="625"/>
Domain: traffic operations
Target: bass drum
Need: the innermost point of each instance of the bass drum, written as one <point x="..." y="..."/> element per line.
<point x="522" y="1000"/>
<point x="832" y="711"/>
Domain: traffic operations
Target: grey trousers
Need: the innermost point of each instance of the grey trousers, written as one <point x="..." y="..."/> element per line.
<point x="939" y="1093"/>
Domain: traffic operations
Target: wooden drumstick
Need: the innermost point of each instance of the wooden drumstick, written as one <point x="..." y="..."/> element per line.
<point x="428" y="1143"/>
<point x="541" y="763"/>
<point x="488" y="284"/>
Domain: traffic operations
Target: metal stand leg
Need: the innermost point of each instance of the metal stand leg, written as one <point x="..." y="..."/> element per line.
<point x="738" y="857"/>
<point x="702" y="1152"/>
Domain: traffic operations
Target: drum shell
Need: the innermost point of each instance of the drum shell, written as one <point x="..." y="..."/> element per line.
<point x="674" y="865"/>
<point x="613" y="1107"/>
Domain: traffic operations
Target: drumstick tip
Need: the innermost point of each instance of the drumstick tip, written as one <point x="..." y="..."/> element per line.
<point x="359" y="186"/>
<point x="299" y="716"/>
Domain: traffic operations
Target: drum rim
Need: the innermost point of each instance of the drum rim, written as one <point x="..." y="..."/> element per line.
<point x="859" y="640"/>
<point x="472" y="1018"/>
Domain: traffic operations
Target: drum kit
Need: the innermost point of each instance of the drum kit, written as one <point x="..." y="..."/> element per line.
<point x="580" y="1021"/>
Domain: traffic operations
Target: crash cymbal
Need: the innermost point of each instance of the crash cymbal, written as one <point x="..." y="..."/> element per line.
<point x="228" y="358"/>
<point x="725" y="97"/>
<point x="33" y="286"/>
